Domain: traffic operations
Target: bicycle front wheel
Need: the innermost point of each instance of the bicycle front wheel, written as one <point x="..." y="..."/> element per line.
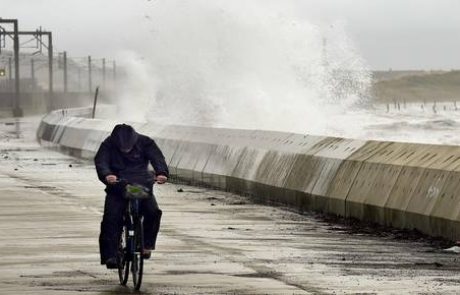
<point x="123" y="257"/>
<point x="137" y="265"/>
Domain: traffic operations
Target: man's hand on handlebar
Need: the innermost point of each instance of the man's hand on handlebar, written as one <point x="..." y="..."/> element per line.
<point x="160" y="179"/>
<point x="111" y="179"/>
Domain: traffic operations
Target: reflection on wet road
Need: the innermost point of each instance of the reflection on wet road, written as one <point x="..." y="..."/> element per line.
<point x="211" y="242"/>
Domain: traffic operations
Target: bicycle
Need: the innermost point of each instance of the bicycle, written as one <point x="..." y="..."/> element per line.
<point x="131" y="245"/>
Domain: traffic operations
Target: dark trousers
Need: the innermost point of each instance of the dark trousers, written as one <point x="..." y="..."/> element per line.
<point x="112" y="224"/>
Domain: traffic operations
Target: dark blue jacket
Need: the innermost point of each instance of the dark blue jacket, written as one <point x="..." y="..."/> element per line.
<point x="131" y="166"/>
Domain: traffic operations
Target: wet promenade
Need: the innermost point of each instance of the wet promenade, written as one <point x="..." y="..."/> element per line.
<point x="210" y="243"/>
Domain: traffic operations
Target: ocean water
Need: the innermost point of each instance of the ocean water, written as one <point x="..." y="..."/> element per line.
<point x="431" y="123"/>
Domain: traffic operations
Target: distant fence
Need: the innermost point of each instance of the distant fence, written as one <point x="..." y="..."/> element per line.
<point x="40" y="102"/>
<point x="427" y="106"/>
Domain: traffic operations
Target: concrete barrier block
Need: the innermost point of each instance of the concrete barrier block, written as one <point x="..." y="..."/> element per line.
<point x="248" y="164"/>
<point x="272" y="167"/>
<point x="368" y="150"/>
<point x="399" y="184"/>
<point x="221" y="163"/>
<point x="324" y="202"/>
<point x="447" y="208"/>
<point x="341" y="185"/>
<point x="181" y="151"/>
<point x="262" y="139"/>
<point x="424" y="198"/>
<point x="168" y="147"/>
<point x="371" y="190"/>
<point x="304" y="173"/>
<point x="400" y="195"/>
<point x="395" y="153"/>
<point x="223" y="160"/>
<point x="337" y="148"/>
<point x="297" y="143"/>
<point x="73" y="137"/>
<point x="433" y="156"/>
<point x="195" y="159"/>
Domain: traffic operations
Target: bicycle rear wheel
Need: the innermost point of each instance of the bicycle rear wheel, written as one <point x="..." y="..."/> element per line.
<point x="137" y="265"/>
<point x="123" y="257"/>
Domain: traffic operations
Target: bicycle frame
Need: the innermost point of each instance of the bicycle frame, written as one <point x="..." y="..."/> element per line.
<point x="134" y="216"/>
<point x="131" y="253"/>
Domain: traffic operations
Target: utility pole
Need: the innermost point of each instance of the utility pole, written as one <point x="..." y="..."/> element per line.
<point x="10" y="69"/>
<point x="79" y="79"/>
<point x="32" y="72"/>
<point x="2" y="39"/>
<point x="95" y="103"/>
<point x="114" y="78"/>
<point x="17" y="111"/>
<point x="65" y="71"/>
<point x="50" y="70"/>
<point x="37" y="34"/>
<point x="90" y="80"/>
<point x="103" y="72"/>
<point x="32" y="69"/>
<point x="114" y="71"/>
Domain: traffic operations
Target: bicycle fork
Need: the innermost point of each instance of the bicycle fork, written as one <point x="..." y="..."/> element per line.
<point x="135" y="220"/>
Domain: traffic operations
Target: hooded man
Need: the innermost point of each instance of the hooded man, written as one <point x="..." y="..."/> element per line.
<point x="126" y="154"/>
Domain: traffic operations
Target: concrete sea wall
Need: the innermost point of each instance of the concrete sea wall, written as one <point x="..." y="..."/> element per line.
<point x="405" y="185"/>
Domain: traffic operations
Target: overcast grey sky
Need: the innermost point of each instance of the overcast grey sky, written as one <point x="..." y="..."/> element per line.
<point x="397" y="34"/>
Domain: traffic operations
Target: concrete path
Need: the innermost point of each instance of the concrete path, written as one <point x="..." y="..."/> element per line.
<point x="210" y="243"/>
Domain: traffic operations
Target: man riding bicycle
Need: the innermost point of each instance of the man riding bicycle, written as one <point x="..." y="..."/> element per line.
<point x="125" y="154"/>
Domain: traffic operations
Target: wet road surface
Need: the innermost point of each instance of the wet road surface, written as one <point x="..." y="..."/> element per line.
<point x="210" y="243"/>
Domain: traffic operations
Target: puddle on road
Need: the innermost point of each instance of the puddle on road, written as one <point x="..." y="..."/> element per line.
<point x="60" y="274"/>
<point x="16" y="130"/>
<point x="78" y="281"/>
<point x="41" y="187"/>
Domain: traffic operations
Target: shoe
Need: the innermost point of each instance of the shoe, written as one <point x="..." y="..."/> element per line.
<point x="146" y="253"/>
<point x="111" y="263"/>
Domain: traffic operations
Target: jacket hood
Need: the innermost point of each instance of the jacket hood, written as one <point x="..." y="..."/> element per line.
<point x="124" y="137"/>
